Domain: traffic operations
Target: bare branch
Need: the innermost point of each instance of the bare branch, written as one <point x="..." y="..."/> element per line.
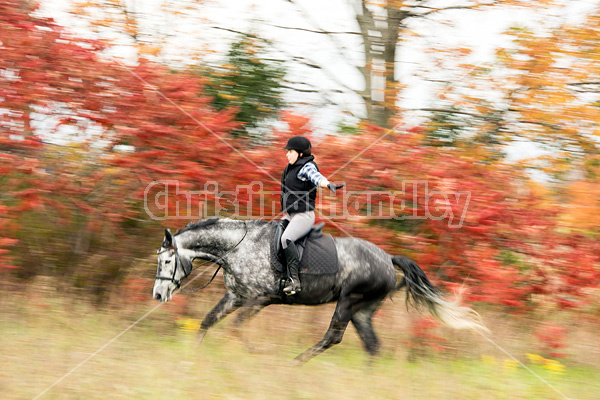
<point x="585" y="83"/>
<point x="586" y="87"/>
<point x="296" y="89"/>
<point x="487" y="118"/>
<point x="289" y="85"/>
<point x="337" y="45"/>
<point x="433" y="10"/>
<point x="239" y="33"/>
<point x="314" y="31"/>
<point x="544" y="124"/>
<point x="315" y="65"/>
<point x="450" y="111"/>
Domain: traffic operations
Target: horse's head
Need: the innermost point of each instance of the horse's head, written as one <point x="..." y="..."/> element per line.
<point x="172" y="269"/>
<point x="204" y="239"/>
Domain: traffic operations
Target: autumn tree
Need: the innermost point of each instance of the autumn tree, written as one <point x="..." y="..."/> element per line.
<point x="74" y="187"/>
<point x="484" y="230"/>
<point x="142" y="138"/>
<point x="141" y="29"/>
<point x="383" y="27"/>
<point x="511" y="246"/>
<point x="248" y="83"/>
<point x="542" y="89"/>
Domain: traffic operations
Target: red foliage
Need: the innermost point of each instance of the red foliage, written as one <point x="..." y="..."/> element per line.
<point x="473" y="226"/>
<point x="502" y="242"/>
<point x="552" y="339"/>
<point x="135" y="290"/>
<point x="423" y="335"/>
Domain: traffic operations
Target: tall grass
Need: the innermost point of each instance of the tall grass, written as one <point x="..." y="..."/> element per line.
<point x="44" y="337"/>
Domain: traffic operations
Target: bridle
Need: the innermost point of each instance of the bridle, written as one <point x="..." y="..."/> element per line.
<point x="186" y="265"/>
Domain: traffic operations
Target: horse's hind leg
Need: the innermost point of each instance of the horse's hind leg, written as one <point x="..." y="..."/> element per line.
<point x="335" y="333"/>
<point x="228" y="304"/>
<point x="361" y="320"/>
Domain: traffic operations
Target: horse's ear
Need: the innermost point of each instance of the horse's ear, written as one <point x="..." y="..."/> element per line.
<point x="168" y="241"/>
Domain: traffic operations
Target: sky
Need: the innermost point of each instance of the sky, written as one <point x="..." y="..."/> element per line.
<point x="479" y="30"/>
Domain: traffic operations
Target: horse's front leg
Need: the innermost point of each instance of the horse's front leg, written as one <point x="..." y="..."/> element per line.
<point x="228" y="304"/>
<point x="249" y="309"/>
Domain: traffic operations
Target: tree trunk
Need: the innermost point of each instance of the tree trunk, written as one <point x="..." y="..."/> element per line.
<point x="380" y="36"/>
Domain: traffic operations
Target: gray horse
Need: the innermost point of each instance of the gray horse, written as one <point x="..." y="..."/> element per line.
<point x="366" y="275"/>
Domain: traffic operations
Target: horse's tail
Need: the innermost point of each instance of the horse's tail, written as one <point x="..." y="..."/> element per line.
<point x="422" y="293"/>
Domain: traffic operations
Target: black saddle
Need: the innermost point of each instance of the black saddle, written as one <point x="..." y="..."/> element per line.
<point x="317" y="252"/>
<point x="315" y="232"/>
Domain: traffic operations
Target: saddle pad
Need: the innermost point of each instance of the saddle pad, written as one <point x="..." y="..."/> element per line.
<point x="319" y="258"/>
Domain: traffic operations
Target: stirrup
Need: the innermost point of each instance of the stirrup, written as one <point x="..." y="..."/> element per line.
<point x="291" y="288"/>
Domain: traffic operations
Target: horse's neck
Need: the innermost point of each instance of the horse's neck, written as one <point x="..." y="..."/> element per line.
<point x="217" y="242"/>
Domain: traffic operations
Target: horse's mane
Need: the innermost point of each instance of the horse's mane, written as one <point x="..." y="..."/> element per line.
<point x="204" y="223"/>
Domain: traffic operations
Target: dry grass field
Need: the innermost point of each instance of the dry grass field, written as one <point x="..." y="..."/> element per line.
<point x="44" y="335"/>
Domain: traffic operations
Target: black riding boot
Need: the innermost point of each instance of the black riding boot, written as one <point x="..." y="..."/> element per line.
<point x="291" y="257"/>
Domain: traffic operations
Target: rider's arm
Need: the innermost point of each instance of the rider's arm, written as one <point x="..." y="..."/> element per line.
<point x="309" y="172"/>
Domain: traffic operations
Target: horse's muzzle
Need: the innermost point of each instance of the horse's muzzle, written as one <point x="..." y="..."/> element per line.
<point x="162" y="294"/>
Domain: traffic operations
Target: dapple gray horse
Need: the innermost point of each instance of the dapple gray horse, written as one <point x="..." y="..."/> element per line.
<point x="366" y="275"/>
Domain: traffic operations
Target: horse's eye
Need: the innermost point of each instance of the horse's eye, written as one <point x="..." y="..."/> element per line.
<point x="168" y="262"/>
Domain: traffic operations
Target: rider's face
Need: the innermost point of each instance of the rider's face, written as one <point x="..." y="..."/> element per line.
<point x="292" y="156"/>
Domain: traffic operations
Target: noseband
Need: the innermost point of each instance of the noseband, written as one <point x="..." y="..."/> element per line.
<point x="177" y="263"/>
<point x="187" y="273"/>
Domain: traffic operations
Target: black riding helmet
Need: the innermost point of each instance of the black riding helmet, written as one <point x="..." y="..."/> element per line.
<point x="300" y="144"/>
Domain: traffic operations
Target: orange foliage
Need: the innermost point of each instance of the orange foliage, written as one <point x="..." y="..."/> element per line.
<point x="582" y="210"/>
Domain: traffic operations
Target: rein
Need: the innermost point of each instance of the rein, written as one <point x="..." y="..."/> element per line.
<point x="186" y="274"/>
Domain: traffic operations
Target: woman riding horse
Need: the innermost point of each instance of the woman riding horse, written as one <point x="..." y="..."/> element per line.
<point x="299" y="183"/>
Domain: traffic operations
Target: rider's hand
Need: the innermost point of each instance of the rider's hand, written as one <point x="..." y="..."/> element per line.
<point x="333" y="187"/>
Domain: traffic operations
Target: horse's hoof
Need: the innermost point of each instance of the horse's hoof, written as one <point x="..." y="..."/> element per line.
<point x="301" y="359"/>
<point x="201" y="335"/>
<point x="298" y="363"/>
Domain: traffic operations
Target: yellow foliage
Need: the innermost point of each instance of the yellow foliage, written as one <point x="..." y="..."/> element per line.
<point x="510" y="365"/>
<point x="551" y="365"/>
<point x="554" y="366"/>
<point x="227" y="96"/>
<point x="536" y="359"/>
<point x="395" y="3"/>
<point x="103" y="22"/>
<point x="489" y="360"/>
<point x="583" y="206"/>
<point x="151" y="50"/>
<point x="87" y="4"/>
<point x="131" y="28"/>
<point x="113" y="171"/>
<point x="189" y="324"/>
